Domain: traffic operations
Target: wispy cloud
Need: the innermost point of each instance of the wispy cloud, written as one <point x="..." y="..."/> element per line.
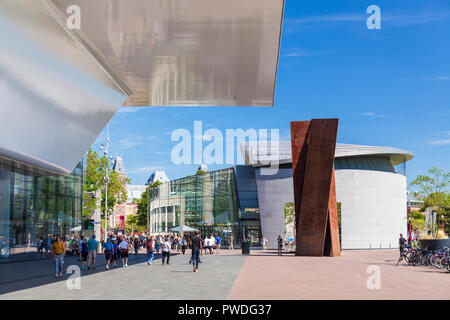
<point x="440" y="142"/>
<point x="375" y="115"/>
<point x="129" y="109"/>
<point x="431" y="78"/>
<point x="388" y="19"/>
<point x="328" y="18"/>
<point x="148" y="169"/>
<point x="132" y="141"/>
<point x="443" y="140"/>
<point x="299" y="52"/>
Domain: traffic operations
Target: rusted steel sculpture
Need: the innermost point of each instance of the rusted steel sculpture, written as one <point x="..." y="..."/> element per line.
<point x="313" y="148"/>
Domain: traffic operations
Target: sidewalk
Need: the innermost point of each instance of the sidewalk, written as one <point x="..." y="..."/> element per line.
<point x="217" y="273"/>
<point x="268" y="276"/>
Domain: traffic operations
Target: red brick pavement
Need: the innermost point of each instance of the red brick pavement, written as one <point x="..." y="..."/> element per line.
<point x="267" y="276"/>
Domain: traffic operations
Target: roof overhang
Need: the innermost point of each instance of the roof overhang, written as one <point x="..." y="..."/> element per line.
<point x="60" y="87"/>
<point x="266" y="153"/>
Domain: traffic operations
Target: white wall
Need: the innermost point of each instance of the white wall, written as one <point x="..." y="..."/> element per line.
<point x="373" y="207"/>
<point x="275" y="188"/>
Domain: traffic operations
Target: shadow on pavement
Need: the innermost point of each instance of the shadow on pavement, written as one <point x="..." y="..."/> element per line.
<point x="30" y="274"/>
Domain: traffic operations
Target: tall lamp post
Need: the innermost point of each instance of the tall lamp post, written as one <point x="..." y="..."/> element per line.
<point x="105" y="145"/>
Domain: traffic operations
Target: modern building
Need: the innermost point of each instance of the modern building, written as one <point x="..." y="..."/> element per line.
<point x="62" y="83"/>
<point x="33" y="206"/>
<point x="371" y="195"/>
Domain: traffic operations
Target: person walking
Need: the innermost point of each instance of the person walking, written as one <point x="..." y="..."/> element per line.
<point x="84" y="253"/>
<point x="183" y="244"/>
<point x="218" y="241"/>
<point x="123" y="247"/>
<point x="264" y="242"/>
<point x="231" y="242"/>
<point x="114" y="253"/>
<point x="205" y="244"/>
<point x="157" y="244"/>
<point x="280" y="245"/>
<point x="196" y="248"/>
<point x="58" y="251"/>
<point x="165" y="250"/>
<point x="92" y="245"/>
<point x="136" y="245"/>
<point x="212" y="244"/>
<point x="150" y="254"/>
<point x="108" y="251"/>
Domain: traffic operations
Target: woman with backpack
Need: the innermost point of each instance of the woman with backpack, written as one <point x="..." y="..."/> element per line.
<point x="84" y="253"/>
<point x="165" y="250"/>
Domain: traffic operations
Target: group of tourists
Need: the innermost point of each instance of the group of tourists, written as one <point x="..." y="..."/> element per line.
<point x="117" y="248"/>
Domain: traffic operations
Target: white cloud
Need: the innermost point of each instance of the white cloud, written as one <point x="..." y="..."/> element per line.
<point x="132" y="141"/>
<point x="375" y="115"/>
<point x="439" y="142"/>
<point x="129" y="109"/>
<point x="148" y="169"/>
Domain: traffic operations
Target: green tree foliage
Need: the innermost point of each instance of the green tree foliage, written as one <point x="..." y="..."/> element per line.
<point x="417" y="220"/>
<point x="289" y="213"/>
<point x="433" y="189"/>
<point x="96" y="169"/>
<point x="142" y="205"/>
<point x="132" y="224"/>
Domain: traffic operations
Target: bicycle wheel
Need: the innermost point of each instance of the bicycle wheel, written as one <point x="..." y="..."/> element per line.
<point x="437" y="262"/>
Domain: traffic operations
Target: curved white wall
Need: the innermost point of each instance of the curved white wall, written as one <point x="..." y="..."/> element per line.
<point x="373" y="207"/>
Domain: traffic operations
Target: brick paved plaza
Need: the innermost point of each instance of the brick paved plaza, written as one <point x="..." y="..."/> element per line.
<point x="262" y="275"/>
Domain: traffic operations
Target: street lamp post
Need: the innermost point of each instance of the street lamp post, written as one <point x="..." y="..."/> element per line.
<point x="105" y="145"/>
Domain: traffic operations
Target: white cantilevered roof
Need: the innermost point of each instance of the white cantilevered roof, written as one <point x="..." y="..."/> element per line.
<point x="266" y="153"/>
<point x="59" y="87"/>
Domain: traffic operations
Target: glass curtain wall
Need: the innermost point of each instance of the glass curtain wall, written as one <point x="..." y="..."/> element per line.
<point x="207" y="202"/>
<point x="33" y="206"/>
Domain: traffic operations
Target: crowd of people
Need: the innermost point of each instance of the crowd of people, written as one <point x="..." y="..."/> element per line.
<point x="118" y="247"/>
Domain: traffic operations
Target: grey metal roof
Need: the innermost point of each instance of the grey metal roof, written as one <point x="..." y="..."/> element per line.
<point x="263" y="153"/>
<point x="119" y="166"/>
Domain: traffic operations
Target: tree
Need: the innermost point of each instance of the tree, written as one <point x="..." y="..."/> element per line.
<point x="96" y="169"/>
<point x="417" y="220"/>
<point x="142" y="205"/>
<point x="433" y="189"/>
<point x="289" y="215"/>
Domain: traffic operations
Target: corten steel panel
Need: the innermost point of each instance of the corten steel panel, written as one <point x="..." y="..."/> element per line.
<point x="313" y="150"/>
<point x="333" y="223"/>
<point x="299" y="136"/>
<point x="186" y="52"/>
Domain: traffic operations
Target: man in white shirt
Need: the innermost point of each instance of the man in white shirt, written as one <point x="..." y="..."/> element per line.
<point x="205" y="244"/>
<point x="212" y="243"/>
<point x="123" y="248"/>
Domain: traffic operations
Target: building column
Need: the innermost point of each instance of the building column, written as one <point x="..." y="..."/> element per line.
<point x="167" y="221"/>
<point x="159" y="221"/>
<point x="173" y="215"/>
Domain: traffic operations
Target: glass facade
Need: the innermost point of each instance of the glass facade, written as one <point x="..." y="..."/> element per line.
<point x="207" y="202"/>
<point x="33" y="206"/>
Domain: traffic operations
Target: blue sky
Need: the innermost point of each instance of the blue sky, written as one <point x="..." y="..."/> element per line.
<point x="388" y="87"/>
